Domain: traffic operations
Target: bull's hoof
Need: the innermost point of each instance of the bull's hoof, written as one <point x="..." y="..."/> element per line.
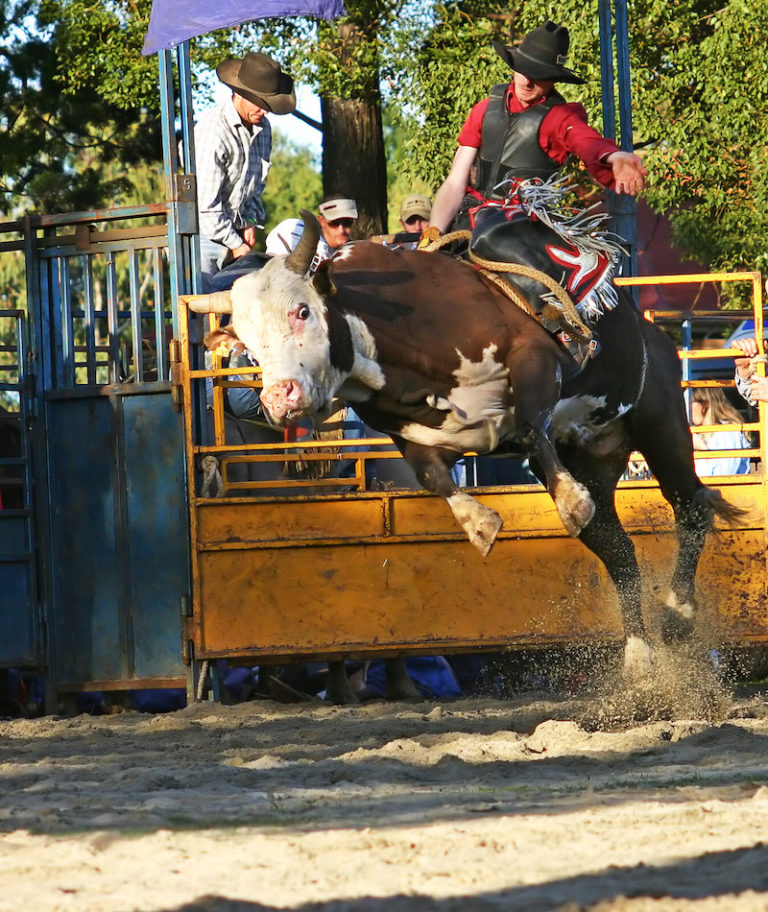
<point x="575" y="506"/>
<point x="482" y="524"/>
<point x="483" y="533"/>
<point x="638" y="660"/>
<point x="678" y="619"/>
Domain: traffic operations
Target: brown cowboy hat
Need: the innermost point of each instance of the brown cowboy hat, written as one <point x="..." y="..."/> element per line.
<point x="541" y="55"/>
<point x="259" y="79"/>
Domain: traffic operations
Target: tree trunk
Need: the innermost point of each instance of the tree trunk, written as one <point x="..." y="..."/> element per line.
<point x="354" y="162"/>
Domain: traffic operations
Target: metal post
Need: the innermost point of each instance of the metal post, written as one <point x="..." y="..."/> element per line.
<point x="606" y="68"/>
<point x="180" y="190"/>
<point x="188" y="146"/>
<point x="623" y="208"/>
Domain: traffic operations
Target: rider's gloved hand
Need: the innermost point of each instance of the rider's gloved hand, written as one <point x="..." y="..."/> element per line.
<point x="428" y="235"/>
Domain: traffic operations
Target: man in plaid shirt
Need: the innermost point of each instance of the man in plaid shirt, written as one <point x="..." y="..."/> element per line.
<point x="233" y="145"/>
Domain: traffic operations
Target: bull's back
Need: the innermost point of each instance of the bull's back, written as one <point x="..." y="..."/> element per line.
<point x="431" y="302"/>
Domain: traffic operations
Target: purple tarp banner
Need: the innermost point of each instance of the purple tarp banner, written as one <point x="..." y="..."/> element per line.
<point x="173" y="21"/>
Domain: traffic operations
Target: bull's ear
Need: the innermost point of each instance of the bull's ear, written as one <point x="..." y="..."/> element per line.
<point x="323" y="279"/>
<point x="223" y="339"/>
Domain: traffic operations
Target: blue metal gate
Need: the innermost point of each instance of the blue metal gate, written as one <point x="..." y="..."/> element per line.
<point x="94" y="565"/>
<point x="20" y="642"/>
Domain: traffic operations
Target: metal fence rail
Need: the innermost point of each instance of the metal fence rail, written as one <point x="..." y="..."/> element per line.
<point x="693" y="357"/>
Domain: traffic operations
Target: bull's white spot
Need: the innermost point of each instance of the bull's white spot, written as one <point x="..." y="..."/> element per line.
<point x="638" y="659"/>
<point x="477" y="373"/>
<point x="684" y="609"/>
<point x="575" y="421"/>
<point x="345" y="252"/>
<point x="478" y="410"/>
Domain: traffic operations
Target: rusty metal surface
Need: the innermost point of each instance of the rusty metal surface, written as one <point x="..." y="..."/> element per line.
<point x="367" y="574"/>
<point x="350" y="599"/>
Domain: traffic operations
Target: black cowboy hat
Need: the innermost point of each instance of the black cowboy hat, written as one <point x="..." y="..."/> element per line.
<point x="259" y="79"/>
<point x="541" y="55"/>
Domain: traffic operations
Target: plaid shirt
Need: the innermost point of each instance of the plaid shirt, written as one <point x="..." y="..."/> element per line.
<point x="232" y="162"/>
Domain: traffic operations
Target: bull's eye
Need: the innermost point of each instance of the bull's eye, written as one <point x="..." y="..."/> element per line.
<point x="302" y="312"/>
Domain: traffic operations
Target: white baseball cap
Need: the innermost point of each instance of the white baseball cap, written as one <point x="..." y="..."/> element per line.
<point x="338" y="209"/>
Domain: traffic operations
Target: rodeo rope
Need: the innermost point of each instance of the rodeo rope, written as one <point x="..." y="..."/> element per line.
<point x="568" y="317"/>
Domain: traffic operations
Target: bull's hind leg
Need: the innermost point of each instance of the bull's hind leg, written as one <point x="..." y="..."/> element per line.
<point x="536" y="385"/>
<point x="572" y="499"/>
<point x="695" y="507"/>
<point x="607" y="539"/>
<point x="659" y="427"/>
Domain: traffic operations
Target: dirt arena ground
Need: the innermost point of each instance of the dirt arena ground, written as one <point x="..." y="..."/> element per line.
<point x="604" y="800"/>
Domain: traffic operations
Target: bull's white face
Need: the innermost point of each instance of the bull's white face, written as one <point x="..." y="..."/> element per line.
<point x="280" y="317"/>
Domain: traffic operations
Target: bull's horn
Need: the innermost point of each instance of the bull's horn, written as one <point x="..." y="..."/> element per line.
<point x="300" y="258"/>
<point x="217" y="302"/>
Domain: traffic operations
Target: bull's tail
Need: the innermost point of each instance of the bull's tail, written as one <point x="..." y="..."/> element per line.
<point x="712" y="503"/>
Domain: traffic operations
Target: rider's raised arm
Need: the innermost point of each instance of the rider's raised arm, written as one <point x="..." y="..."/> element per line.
<point x="453" y="189"/>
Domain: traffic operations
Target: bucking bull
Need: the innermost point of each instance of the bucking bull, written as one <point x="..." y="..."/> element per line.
<point x="432" y="353"/>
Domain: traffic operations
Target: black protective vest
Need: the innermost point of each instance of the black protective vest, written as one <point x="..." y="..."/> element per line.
<point x="510" y="144"/>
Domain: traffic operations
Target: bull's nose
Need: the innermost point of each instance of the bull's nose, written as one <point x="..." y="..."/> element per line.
<point x="282" y="400"/>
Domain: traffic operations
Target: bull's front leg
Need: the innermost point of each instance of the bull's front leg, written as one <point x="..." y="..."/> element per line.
<point x="432" y="467"/>
<point x="572" y="499"/>
<point x="536" y="384"/>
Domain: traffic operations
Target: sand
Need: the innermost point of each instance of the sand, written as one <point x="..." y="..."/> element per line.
<point x="609" y="799"/>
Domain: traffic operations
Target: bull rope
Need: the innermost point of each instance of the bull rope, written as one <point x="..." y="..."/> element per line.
<point x="568" y="317"/>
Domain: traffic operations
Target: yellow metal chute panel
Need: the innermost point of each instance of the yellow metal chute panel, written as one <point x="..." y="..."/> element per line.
<point x="293" y="557"/>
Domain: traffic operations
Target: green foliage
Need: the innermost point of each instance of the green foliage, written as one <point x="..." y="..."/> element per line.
<point x="294" y="181"/>
<point x="116" y="28"/>
<point x="699" y="96"/>
<point x="55" y="147"/>
<point x="710" y="161"/>
<point x="400" y="180"/>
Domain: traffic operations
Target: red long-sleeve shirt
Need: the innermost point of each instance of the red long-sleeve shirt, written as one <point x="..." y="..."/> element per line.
<point x="563" y="132"/>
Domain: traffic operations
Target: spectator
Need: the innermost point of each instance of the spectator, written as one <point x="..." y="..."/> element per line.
<point x="525" y="130"/>
<point x="337" y="216"/>
<point x="710" y="407"/>
<point x="414" y="213"/>
<point x="233" y="145"/>
<point x="749" y="383"/>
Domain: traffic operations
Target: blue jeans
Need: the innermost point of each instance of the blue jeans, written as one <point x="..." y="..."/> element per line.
<point x="213" y="258"/>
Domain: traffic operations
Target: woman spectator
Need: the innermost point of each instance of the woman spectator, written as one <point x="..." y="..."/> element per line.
<point x="710" y="407"/>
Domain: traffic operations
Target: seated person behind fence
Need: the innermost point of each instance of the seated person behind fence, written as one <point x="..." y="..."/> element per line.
<point x="414" y="213"/>
<point x="709" y="406"/>
<point x="750" y="385"/>
<point x="240" y="401"/>
<point x="337" y="216"/>
<point x="244" y="401"/>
